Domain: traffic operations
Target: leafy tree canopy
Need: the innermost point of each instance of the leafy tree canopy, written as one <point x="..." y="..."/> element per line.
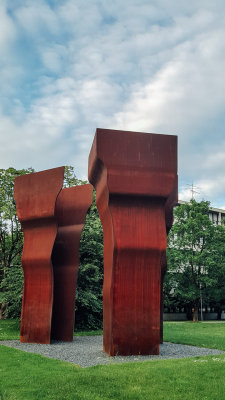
<point x="189" y="252"/>
<point x="11" y="237"/>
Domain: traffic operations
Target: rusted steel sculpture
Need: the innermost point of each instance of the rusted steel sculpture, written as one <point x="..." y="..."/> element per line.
<point x="135" y="176"/>
<point x="35" y="195"/>
<point x="71" y="208"/>
<point x="52" y="220"/>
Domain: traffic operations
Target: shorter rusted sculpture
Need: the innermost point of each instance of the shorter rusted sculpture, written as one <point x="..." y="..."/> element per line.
<point x="35" y="195"/>
<point x="71" y="208"/>
<point x="135" y="176"/>
<point x="52" y="220"/>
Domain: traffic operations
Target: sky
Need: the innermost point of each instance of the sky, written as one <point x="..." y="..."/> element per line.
<point x="68" y="67"/>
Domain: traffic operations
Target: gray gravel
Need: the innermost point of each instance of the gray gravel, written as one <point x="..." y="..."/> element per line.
<point x="86" y="351"/>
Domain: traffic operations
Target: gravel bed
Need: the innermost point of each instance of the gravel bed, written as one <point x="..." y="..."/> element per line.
<point x="86" y="351"/>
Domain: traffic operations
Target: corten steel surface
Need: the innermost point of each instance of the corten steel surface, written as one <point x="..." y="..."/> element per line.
<point x="35" y="195"/>
<point x="134" y="174"/>
<point x="71" y="208"/>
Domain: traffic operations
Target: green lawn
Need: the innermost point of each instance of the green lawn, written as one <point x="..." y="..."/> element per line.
<point x="9" y="330"/>
<point x="88" y="333"/>
<point x="25" y="376"/>
<point x="211" y="335"/>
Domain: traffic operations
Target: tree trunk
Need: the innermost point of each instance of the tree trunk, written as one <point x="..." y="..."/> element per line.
<point x="195" y="314"/>
<point x="3" y="306"/>
<point x="219" y="312"/>
<point x="3" y="311"/>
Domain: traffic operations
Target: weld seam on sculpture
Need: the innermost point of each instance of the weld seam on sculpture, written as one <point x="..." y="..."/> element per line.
<point x="49" y="217"/>
<point x="135" y="176"/>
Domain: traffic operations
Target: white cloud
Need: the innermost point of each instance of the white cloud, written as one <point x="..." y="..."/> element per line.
<point x="58" y="124"/>
<point x="53" y="57"/>
<point x="37" y="18"/>
<point x="138" y="65"/>
<point x="8" y="31"/>
<point x="186" y="89"/>
<point x="215" y="160"/>
<point x="80" y="17"/>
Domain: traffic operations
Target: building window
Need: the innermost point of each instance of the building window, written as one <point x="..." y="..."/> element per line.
<point x="215" y="218"/>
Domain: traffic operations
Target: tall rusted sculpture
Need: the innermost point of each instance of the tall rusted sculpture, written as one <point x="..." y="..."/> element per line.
<point x="135" y="175"/>
<point x="42" y="205"/>
<point x="71" y="208"/>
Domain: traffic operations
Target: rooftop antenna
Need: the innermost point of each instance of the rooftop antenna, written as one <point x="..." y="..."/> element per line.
<point x="193" y="190"/>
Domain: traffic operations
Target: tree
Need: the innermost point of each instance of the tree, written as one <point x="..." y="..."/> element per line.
<point x="90" y="277"/>
<point x="189" y="254"/>
<point x="216" y="271"/>
<point x="70" y="178"/>
<point x="11" y="242"/>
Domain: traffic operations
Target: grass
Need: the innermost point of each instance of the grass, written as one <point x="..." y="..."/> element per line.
<point x="89" y="333"/>
<point x="25" y="376"/>
<point x="211" y="335"/>
<point x="9" y="330"/>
